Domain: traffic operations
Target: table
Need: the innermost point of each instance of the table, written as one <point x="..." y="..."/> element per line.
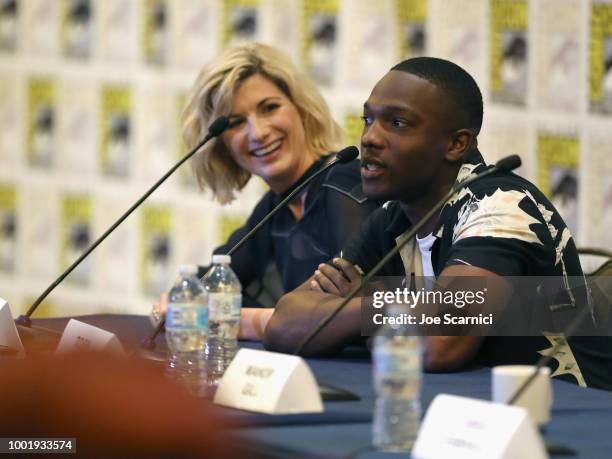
<point x="581" y="418"/>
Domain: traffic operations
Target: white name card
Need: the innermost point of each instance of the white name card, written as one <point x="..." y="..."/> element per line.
<point x="269" y="382"/>
<point x="9" y="337"/>
<point x="461" y="427"/>
<point x="79" y="336"/>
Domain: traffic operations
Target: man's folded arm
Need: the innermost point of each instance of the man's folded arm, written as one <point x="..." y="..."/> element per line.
<point x="298" y="312"/>
<point x="449" y="353"/>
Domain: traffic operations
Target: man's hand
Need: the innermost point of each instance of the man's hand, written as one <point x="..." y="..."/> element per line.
<point x="337" y="278"/>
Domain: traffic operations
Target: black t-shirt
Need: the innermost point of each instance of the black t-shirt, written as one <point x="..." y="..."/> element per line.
<point x="334" y="209"/>
<point x="503" y="224"/>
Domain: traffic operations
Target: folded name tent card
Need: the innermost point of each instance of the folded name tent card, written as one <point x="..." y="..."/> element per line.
<point x="79" y="336"/>
<point x="461" y="427"/>
<point x="9" y="337"/>
<point x="269" y="382"/>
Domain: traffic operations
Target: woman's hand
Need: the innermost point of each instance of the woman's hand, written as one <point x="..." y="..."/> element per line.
<point x="159" y="309"/>
<point x="253" y="322"/>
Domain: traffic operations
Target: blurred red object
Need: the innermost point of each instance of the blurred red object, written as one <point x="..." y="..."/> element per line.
<point x="114" y="409"/>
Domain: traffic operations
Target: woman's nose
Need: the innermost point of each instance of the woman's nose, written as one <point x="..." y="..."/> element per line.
<point x="258" y="129"/>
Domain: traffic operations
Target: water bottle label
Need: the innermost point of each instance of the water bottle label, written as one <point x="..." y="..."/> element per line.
<point x="391" y="362"/>
<point x="224" y="306"/>
<point x="187" y="315"/>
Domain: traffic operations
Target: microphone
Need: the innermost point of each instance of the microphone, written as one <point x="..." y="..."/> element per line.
<point x="216" y="128"/>
<point x="509" y="163"/>
<point x="343" y="156"/>
<point x="504" y="165"/>
<point x="347" y="154"/>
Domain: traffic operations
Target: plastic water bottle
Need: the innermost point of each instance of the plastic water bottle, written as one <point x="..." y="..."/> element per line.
<point x="224" y="304"/>
<point x="186" y="329"/>
<point x="397" y="383"/>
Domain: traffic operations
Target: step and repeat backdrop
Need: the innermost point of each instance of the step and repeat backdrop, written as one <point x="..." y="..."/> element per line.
<point x="91" y="92"/>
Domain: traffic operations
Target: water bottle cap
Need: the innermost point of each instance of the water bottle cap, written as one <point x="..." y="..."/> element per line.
<point x="221" y="259"/>
<point x="188" y="270"/>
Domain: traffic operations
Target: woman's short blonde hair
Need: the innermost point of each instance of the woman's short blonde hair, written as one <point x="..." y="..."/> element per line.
<point x="211" y="97"/>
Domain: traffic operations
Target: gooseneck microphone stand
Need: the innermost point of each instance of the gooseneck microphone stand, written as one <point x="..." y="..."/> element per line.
<point x="216" y="128"/>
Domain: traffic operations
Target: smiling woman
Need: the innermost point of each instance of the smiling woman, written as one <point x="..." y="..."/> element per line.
<point x="282" y="131"/>
<point x="230" y="85"/>
<point x="266" y="136"/>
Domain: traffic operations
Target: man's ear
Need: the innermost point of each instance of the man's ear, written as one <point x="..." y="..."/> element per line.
<point x="463" y="141"/>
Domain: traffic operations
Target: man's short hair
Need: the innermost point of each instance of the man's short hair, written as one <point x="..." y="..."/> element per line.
<point x="454" y="80"/>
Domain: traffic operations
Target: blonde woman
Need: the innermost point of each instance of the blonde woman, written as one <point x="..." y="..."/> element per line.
<point x="280" y="130"/>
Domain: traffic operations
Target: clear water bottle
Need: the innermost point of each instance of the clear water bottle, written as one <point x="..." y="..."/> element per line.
<point x="397" y="382"/>
<point x="186" y="329"/>
<point x="224" y="304"/>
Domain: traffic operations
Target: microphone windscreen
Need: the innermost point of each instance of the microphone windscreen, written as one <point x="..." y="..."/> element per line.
<point x="509" y="163"/>
<point x="218" y="126"/>
<point x="347" y="154"/>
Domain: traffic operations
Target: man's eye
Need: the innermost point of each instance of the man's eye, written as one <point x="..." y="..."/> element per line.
<point x="366" y="120"/>
<point x="396" y="122"/>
